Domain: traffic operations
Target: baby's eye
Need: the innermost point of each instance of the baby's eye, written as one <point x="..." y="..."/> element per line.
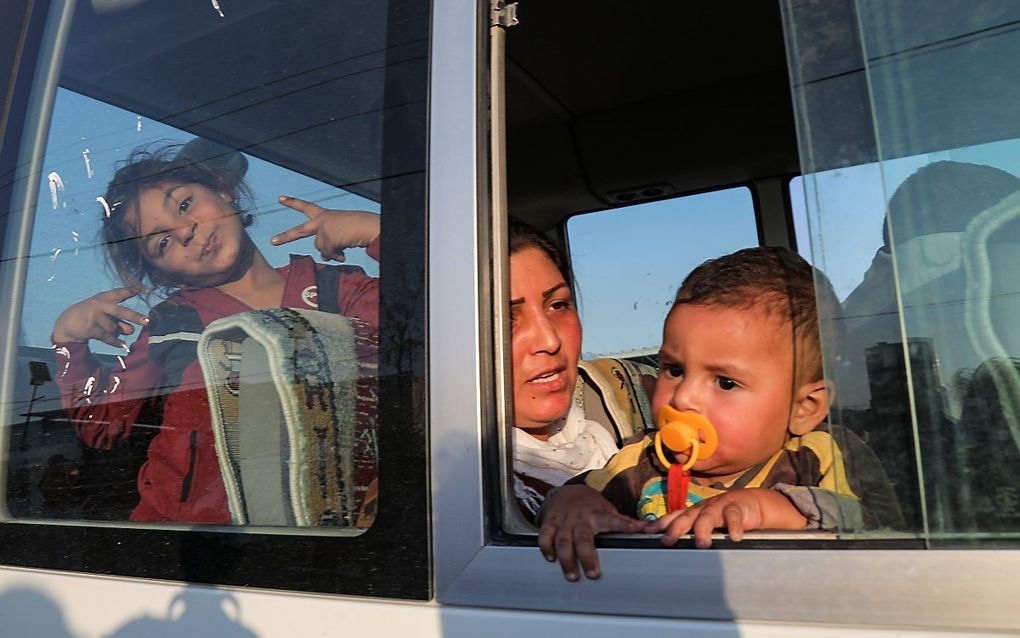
<point x="163" y="244"/>
<point x="185" y="204"/>
<point x="726" y="383"/>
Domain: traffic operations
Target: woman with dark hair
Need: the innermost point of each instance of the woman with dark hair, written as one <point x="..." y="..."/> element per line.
<point x="569" y="415"/>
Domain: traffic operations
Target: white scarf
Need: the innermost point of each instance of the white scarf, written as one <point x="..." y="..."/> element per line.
<point x="579" y="445"/>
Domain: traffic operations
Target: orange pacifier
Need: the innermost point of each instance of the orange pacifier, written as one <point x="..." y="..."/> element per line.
<point x="684" y="432"/>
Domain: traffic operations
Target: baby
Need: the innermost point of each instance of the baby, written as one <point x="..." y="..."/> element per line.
<point x="741" y="348"/>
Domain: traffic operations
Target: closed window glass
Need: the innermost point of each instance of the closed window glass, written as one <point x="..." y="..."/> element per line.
<point x="204" y="331"/>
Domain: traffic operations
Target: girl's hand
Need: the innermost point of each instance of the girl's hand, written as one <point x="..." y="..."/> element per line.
<point x="334" y="230"/>
<point x="737" y="511"/>
<point x="99" y="317"/>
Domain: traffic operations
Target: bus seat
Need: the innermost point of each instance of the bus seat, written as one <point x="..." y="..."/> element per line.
<point x="293" y="395"/>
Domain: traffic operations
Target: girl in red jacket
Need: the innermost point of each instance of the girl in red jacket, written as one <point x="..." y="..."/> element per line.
<point x="177" y="226"/>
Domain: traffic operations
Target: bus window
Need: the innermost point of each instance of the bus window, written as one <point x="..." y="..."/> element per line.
<point x="69" y="264"/>
<point x="628" y="262"/>
<point x="905" y="213"/>
<point x="651" y="139"/>
<point x="171" y="364"/>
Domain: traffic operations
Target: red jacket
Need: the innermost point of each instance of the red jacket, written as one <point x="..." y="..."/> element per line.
<point x="180" y="480"/>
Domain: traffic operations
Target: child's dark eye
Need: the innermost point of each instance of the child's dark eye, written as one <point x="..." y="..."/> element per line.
<point x="726" y="383"/>
<point x="185" y="204"/>
<point x="163" y="244"/>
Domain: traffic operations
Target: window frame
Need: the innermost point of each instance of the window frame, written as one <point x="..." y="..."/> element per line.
<point x="389" y="560"/>
<point x="477" y="565"/>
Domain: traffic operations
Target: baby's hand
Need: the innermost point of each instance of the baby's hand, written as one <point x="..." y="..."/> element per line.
<point x="571" y="517"/>
<point x="334" y="230"/>
<point x="99" y="317"/>
<point x="737" y="511"/>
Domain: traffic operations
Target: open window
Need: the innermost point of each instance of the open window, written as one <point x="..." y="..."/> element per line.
<point x="920" y="355"/>
<point x="648" y="160"/>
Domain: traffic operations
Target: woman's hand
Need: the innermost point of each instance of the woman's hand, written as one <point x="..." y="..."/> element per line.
<point x="99" y="317"/>
<point x="334" y="230"/>
<point x="571" y="518"/>
<point x="737" y="511"/>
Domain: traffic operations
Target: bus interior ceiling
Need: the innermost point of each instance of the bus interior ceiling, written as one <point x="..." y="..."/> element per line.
<point x="613" y="103"/>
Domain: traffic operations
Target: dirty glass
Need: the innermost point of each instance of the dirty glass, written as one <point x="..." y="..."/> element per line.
<point x="228" y="406"/>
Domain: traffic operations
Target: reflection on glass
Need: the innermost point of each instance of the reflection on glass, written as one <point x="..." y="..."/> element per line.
<point x="915" y="216"/>
<point x="221" y="407"/>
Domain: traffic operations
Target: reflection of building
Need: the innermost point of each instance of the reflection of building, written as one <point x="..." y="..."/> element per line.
<point x="889" y="425"/>
<point x="50" y="473"/>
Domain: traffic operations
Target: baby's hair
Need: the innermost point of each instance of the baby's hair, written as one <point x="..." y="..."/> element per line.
<point x="778" y="281"/>
<point x="150" y="167"/>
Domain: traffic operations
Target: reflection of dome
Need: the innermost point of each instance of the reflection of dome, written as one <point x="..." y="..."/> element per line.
<point x="217" y="156"/>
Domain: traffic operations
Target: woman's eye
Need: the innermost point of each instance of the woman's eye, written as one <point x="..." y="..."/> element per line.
<point x="562" y="304"/>
<point x="185" y="204"/>
<point x="726" y="383"/>
<point x="163" y="244"/>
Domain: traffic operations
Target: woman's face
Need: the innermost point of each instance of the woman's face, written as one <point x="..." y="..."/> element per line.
<point x="546" y="341"/>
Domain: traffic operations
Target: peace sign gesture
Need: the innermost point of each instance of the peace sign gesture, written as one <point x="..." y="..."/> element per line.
<point x="334" y="230"/>
<point x="99" y="317"/>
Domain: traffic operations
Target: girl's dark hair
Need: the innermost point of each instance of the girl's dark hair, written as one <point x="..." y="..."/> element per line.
<point x="524" y="235"/>
<point x="151" y="167"/>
